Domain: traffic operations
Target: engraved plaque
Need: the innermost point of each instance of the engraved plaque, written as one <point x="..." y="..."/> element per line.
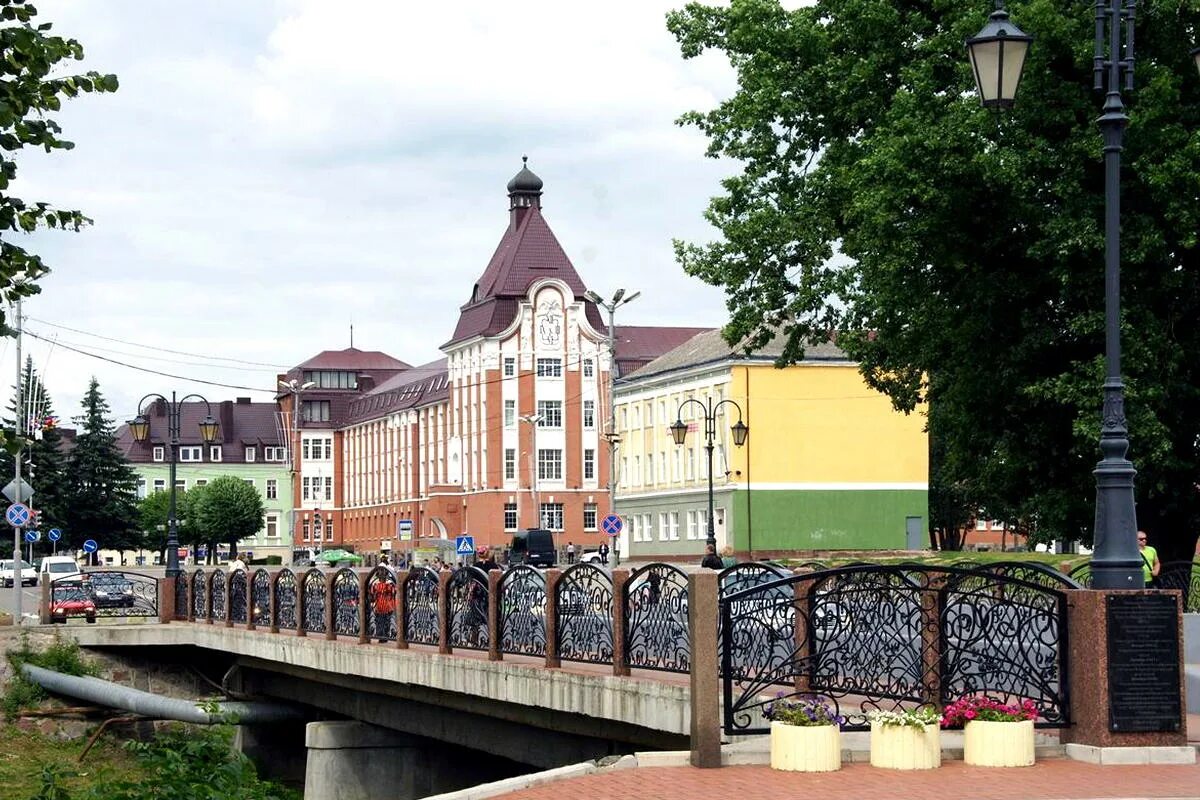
<point x="1143" y="663"/>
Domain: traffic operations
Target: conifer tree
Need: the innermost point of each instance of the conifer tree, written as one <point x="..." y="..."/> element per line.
<point x="103" y="486"/>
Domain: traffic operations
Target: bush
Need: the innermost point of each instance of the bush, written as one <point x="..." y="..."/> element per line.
<point x="63" y="655"/>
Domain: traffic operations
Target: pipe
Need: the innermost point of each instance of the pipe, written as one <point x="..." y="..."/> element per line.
<point x="147" y="704"/>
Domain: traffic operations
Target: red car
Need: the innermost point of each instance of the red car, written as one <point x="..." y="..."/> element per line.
<point x="70" y="600"/>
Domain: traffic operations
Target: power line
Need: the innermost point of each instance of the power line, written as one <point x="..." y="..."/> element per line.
<point x="153" y="371"/>
<point x="155" y="358"/>
<point x="152" y="347"/>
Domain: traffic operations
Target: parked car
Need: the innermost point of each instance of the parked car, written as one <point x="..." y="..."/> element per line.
<point x="69" y="598"/>
<point x="109" y="589"/>
<point x="55" y="567"/>
<point x="589" y="557"/>
<point x="534" y="546"/>
<point x="28" y="573"/>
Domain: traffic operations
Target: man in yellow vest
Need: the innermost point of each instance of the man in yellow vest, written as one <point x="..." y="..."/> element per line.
<point x="1150" y="563"/>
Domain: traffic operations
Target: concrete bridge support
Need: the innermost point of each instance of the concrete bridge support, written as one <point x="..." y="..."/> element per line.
<point x="352" y="760"/>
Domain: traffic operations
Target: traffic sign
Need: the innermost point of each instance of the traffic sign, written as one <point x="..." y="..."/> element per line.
<point x="32" y="536"/>
<point x="17" y="515"/>
<point x="90" y="546"/>
<point x="54" y="535"/>
<point x="611" y="525"/>
<point x="12" y="493"/>
<point x="464" y="545"/>
<point x="404" y="529"/>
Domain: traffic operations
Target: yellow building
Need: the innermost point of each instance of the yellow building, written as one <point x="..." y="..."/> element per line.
<point x="827" y="465"/>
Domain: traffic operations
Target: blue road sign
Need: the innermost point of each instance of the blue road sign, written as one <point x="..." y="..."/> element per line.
<point x="32" y="536"/>
<point x="611" y="525"/>
<point x="17" y="515"/>
<point x="54" y="535"/>
<point x="464" y="545"/>
<point x="90" y="546"/>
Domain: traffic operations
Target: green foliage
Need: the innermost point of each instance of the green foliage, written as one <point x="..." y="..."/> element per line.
<point x="62" y="655"/>
<point x="103" y="485"/>
<point x="153" y="513"/>
<point x="227" y="510"/>
<point x="29" y="93"/>
<point x="959" y="254"/>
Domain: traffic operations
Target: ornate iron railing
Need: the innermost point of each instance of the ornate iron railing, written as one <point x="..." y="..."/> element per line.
<point x="421" y="606"/>
<point x="656" y="619"/>
<point x="1181" y="575"/>
<point x="217" y="590"/>
<point x="585" y="604"/>
<point x="468" y="597"/>
<point x="199" y="595"/>
<point x="237" y="596"/>
<point x="314" y="601"/>
<point x="741" y="577"/>
<point x="1028" y="571"/>
<point x="893" y="636"/>
<point x="345" y="602"/>
<point x="181" y="596"/>
<point x="260" y="597"/>
<point x="115" y="593"/>
<point x="381" y="604"/>
<point x="523" y="612"/>
<point x="285" y="600"/>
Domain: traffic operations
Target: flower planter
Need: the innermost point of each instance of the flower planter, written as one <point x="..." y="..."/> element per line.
<point x="805" y="748"/>
<point x="905" y="747"/>
<point x="998" y="744"/>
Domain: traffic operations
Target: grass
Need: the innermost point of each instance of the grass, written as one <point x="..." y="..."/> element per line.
<point x="942" y="558"/>
<point x="23" y="754"/>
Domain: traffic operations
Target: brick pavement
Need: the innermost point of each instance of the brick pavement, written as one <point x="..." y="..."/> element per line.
<point x="1050" y="779"/>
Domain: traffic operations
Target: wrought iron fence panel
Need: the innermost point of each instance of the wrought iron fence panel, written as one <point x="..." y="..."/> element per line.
<point x="421" y="606"/>
<point x="116" y="593"/>
<point x="181" y="596"/>
<point x="345" y="602"/>
<point x="887" y="636"/>
<point x="381" y="604"/>
<point x="1185" y="576"/>
<point x="1005" y="638"/>
<point x="756" y="642"/>
<point x="237" y="596"/>
<point x="1030" y="572"/>
<point x="656" y="619"/>
<point x="217" y="590"/>
<point x="314" y="601"/>
<point x="1082" y="574"/>
<point x="260" y="596"/>
<point x="468" y="595"/>
<point x="199" y="595"/>
<point x="523" y="612"/>
<point x="585" y="604"/>
<point x="285" y="599"/>
<point x="812" y="566"/>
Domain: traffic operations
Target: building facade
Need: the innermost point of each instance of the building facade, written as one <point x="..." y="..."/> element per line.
<point x="828" y="464"/>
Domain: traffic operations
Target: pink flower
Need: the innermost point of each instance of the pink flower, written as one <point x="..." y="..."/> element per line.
<point x="970" y="715"/>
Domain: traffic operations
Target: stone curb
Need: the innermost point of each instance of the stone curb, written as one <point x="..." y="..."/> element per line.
<point x="520" y="782"/>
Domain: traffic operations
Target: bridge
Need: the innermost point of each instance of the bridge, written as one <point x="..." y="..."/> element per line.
<point x="551" y="667"/>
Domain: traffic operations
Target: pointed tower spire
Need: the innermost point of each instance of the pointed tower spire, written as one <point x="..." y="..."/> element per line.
<point x="524" y="192"/>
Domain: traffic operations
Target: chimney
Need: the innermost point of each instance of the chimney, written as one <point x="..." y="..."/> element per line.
<point x="243" y="401"/>
<point x="226" y="420"/>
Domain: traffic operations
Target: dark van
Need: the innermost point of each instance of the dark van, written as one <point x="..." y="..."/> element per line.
<point x="533" y="546"/>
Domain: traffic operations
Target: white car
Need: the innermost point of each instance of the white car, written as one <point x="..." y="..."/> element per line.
<point x="28" y="573"/>
<point x="589" y="557"/>
<point x="55" y="567"/>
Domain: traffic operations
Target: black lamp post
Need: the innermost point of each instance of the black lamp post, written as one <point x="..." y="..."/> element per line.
<point x="679" y="432"/>
<point x="997" y="55"/>
<point x="139" y="426"/>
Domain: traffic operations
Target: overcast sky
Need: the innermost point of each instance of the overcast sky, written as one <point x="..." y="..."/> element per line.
<point x="271" y="172"/>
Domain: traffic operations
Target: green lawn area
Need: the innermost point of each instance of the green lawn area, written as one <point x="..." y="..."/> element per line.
<point x="943" y="558"/>
<point x="24" y="753"/>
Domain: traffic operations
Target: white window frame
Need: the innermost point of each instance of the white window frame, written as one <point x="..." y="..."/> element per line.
<point x="510" y="366"/>
<point x="510" y="464"/>
<point x="549" y="367"/>
<point x="191" y="453"/>
<point x="589" y="413"/>
<point x="588" y="368"/>
<point x="510" y="413"/>
<point x="550" y="464"/>
<point x="306" y="488"/>
<point x="272" y="489"/>
<point x="550" y="413"/>
<point x="252" y="454"/>
<point x="160" y="484"/>
<point x="589" y="464"/>
<point x="553" y="522"/>
<point x="589" y="509"/>
<point x="214" y="452"/>
<point x="272" y="526"/>
<point x="510" y="517"/>
<point x="159" y="453"/>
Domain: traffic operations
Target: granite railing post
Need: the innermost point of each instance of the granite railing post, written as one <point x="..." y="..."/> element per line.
<point x="364" y="607"/>
<point x="166" y="599"/>
<point x="189" y="613"/>
<point x="705" y="672"/>
<point x="330" y="611"/>
<point x="552" y="578"/>
<point x="248" y="577"/>
<point x="230" y="577"/>
<point x="208" y="598"/>
<point x="805" y="658"/>
<point x="43" y="606"/>
<point x="493" y="615"/>
<point x="620" y="611"/>
<point x="444" y="611"/>
<point x="933" y="602"/>
<point x="273" y="601"/>
<point x="402" y="609"/>
<point x="301" y="624"/>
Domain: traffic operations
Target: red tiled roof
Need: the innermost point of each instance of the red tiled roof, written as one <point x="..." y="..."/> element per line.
<point x="638" y="345"/>
<point x="241" y="423"/>
<point x="419" y="386"/>
<point x="353" y="359"/>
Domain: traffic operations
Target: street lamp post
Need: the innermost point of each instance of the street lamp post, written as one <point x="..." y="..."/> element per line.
<point x="613" y="438"/>
<point x="679" y="432"/>
<point x="534" y="420"/>
<point x="139" y="426"/>
<point x="997" y="55"/>
<point x="295" y="388"/>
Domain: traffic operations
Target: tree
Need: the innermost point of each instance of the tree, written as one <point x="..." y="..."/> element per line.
<point x="103" y="485"/>
<point x="227" y="511"/>
<point x="43" y="461"/>
<point x="28" y="95"/>
<point x="958" y="254"/>
<point x="154" y="513"/>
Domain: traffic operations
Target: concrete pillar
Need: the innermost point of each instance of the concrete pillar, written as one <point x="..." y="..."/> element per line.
<point x="44" y="606"/>
<point x="705" y="675"/>
<point x="620" y="577"/>
<point x="352" y="760"/>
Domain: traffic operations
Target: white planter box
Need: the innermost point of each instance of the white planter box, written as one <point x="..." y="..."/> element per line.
<point x="905" y="747"/>
<point x="799" y="748"/>
<point x="998" y="744"/>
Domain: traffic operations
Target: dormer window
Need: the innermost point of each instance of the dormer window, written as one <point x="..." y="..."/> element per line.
<point x="159" y="453"/>
<point x="251" y="454"/>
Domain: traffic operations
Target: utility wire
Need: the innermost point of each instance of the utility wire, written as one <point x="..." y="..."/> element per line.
<point x="164" y="359"/>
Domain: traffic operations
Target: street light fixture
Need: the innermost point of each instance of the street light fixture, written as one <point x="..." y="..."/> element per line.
<point x="139" y="427"/>
<point x="614" y="440"/>
<point x="679" y="432"/>
<point x="295" y="388"/>
<point x="1116" y="562"/>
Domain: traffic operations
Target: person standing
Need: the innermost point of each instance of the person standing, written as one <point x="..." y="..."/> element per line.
<point x="1150" y="563"/>
<point x="237" y="564"/>
<point x="570" y="552"/>
<point x="603" y="553"/>
<point x="711" y="559"/>
<point x="383" y="603"/>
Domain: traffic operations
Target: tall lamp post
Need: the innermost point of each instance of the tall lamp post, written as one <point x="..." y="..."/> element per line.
<point x="997" y="55"/>
<point x="679" y="432"/>
<point x="534" y="420"/>
<point x="139" y="426"/>
<point x="295" y="388"/>
<point x="614" y="439"/>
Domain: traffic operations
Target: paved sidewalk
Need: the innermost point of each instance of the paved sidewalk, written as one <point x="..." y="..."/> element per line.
<point x="1050" y="779"/>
